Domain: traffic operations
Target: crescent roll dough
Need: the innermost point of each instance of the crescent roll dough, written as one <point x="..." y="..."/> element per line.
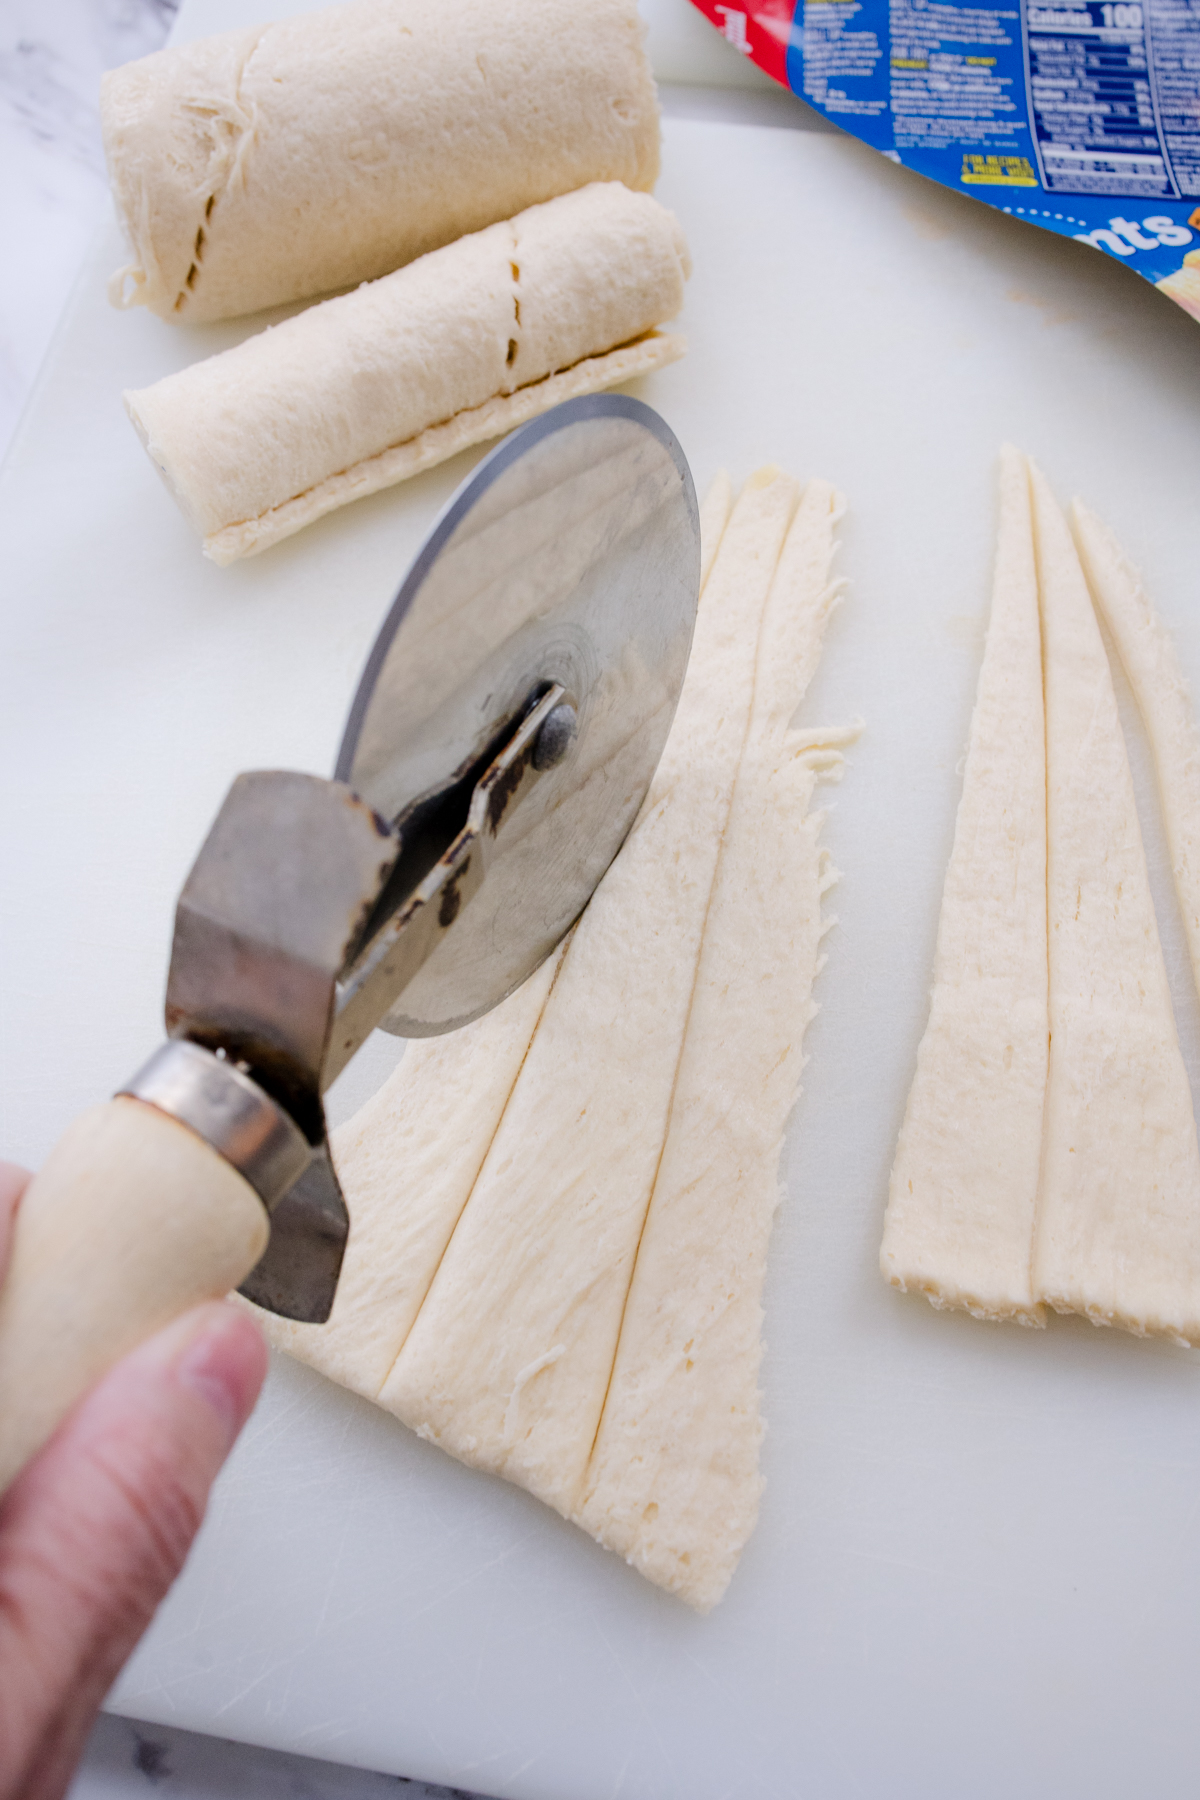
<point x="962" y="1199"/>
<point x="1118" y="1220"/>
<point x="366" y="389"/>
<point x="560" y="1215"/>
<point x="270" y="164"/>
<point x="1160" y="688"/>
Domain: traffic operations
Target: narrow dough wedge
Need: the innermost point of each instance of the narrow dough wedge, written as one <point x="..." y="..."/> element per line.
<point x="1152" y="665"/>
<point x="963" y="1193"/>
<point x="1118" y="1230"/>
<point x="673" y="1482"/>
<point x="407" y="1161"/>
<point x="509" y="1360"/>
<point x="547" y="1281"/>
<point x="373" y="386"/>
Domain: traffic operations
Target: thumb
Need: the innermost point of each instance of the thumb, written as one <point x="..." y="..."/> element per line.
<point x="13" y="1182"/>
<point x="95" y="1529"/>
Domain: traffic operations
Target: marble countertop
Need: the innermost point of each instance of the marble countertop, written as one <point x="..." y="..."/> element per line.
<point x="52" y="54"/>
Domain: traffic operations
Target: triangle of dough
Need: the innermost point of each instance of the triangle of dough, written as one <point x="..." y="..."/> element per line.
<point x="1152" y="665"/>
<point x="407" y="1161"/>
<point x="499" y="1184"/>
<point x="960" y="1218"/>
<point x="673" y="1481"/>
<point x="1118" y="1232"/>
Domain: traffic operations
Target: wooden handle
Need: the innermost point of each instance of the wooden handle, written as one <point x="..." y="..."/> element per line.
<point x="132" y="1219"/>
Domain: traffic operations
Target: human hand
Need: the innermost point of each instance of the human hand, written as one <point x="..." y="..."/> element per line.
<point x="95" y="1529"/>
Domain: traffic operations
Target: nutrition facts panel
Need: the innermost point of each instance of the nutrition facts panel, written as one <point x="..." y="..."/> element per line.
<point x="1114" y="90"/>
<point x="1175" y="37"/>
<point x="1081" y="117"/>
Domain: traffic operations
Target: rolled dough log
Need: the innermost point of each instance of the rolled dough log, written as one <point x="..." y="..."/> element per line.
<point x="369" y="388"/>
<point x="274" y="163"/>
<point x="960" y="1218"/>
<point x="1118" y="1230"/>
<point x="1152" y="665"/>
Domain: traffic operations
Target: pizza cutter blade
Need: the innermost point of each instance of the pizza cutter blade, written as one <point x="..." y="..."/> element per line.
<point x="570" y="557"/>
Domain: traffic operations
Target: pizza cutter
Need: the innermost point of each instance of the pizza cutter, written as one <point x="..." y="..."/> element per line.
<point x="502" y="739"/>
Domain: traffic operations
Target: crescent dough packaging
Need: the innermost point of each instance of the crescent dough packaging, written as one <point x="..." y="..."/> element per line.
<point x="363" y="390"/>
<point x="270" y="164"/>
<point x="1078" y="116"/>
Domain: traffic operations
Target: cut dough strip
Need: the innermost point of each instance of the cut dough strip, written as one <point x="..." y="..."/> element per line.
<point x="408" y="1159"/>
<point x="963" y="1193"/>
<point x="1118" y="1231"/>
<point x="495" y="418"/>
<point x="673" y="1482"/>
<point x="370" y="388"/>
<point x="268" y="165"/>
<point x="1159" y="687"/>
<point x="614" y="1137"/>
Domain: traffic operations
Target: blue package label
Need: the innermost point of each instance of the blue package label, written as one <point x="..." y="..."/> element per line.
<point x="1081" y="116"/>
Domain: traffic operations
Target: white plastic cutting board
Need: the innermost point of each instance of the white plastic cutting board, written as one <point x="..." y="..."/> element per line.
<point x="977" y="1570"/>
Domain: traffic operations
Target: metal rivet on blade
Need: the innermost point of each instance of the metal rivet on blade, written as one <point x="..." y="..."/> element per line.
<point x="556" y="737"/>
